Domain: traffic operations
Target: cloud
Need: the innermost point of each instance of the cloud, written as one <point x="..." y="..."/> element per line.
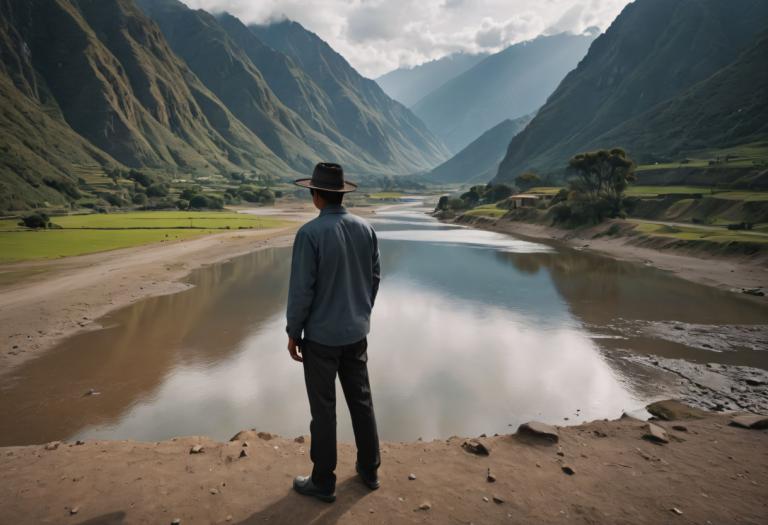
<point x="376" y="36"/>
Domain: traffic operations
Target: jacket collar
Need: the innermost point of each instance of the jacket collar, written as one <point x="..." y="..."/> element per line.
<point x="332" y="208"/>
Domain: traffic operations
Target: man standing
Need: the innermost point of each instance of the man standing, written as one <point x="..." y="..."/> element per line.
<point x="335" y="275"/>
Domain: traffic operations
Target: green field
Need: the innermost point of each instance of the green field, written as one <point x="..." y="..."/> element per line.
<point x="701" y="233"/>
<point x="385" y="195"/>
<point x="486" y="210"/>
<point x="81" y="234"/>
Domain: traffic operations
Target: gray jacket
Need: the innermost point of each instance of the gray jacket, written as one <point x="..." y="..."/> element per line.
<point x="335" y="273"/>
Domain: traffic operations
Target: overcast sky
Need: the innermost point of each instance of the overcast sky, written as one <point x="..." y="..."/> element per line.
<point x="376" y="36"/>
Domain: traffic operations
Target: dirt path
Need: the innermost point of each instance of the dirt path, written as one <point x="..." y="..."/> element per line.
<point x="710" y="472"/>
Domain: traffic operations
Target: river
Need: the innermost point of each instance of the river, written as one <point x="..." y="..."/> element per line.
<point x="473" y="332"/>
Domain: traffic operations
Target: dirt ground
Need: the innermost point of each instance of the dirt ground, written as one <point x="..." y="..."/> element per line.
<point x="709" y="472"/>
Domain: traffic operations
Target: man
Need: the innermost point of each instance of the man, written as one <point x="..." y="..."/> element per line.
<point x="335" y="276"/>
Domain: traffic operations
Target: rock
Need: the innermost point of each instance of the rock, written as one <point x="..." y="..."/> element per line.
<point x="475" y="447"/>
<point x="673" y="410"/>
<point x="656" y="434"/>
<point x="92" y="392"/>
<point x="425" y="506"/>
<point x="485" y="499"/>
<point x="412" y="476"/>
<point x="560" y="452"/>
<point x="176" y="521"/>
<point x="53" y="445"/>
<point x="754" y="421"/>
<point x="568" y="470"/>
<point x="79" y="442"/>
<point x="245" y="443"/>
<point x="539" y="430"/>
<point x="497" y="500"/>
<point x="74" y="510"/>
<point x="490" y="478"/>
<point x="243" y="453"/>
<point x="229" y="517"/>
<point x="197" y="449"/>
<point x="266" y="436"/>
<point x="299" y="439"/>
<point x="757" y="292"/>
<point x="676" y="511"/>
<point x="214" y="491"/>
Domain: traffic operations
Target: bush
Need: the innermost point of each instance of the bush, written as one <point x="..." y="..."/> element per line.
<point x="140" y="199"/>
<point x="140" y="178"/>
<point x="198" y="202"/>
<point x="157" y="190"/>
<point x="36" y="221"/>
<point x="182" y="204"/>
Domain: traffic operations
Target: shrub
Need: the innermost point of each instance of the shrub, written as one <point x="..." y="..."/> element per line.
<point x="157" y="190"/>
<point x="182" y="204"/>
<point x="198" y="202"/>
<point x="36" y="221"/>
<point x="140" y="199"/>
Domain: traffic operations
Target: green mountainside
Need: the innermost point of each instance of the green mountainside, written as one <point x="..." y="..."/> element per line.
<point x="508" y="84"/>
<point x="361" y="111"/>
<point x="409" y="85"/>
<point x="480" y="160"/>
<point x="631" y="90"/>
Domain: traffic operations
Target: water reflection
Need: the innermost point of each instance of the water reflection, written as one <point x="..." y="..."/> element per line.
<point x="472" y="332"/>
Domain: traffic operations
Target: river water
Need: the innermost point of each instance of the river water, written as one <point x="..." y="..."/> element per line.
<point x="473" y="332"/>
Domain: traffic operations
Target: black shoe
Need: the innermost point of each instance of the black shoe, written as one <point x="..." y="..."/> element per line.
<point x="304" y="486"/>
<point x="371" y="481"/>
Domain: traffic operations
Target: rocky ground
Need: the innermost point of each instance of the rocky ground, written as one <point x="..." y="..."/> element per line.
<point x="694" y="467"/>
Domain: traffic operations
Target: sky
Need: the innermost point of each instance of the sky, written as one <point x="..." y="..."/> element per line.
<point x="377" y="36"/>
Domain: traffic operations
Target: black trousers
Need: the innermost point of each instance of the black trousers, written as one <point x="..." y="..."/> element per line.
<point x="321" y="363"/>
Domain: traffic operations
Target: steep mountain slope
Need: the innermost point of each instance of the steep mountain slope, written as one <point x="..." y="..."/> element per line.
<point x="480" y="160"/>
<point x="652" y="52"/>
<point x="198" y="38"/>
<point x="727" y="109"/>
<point x="71" y="109"/>
<point x="361" y="111"/>
<point x="409" y="85"/>
<point x="298" y="92"/>
<point x="508" y="84"/>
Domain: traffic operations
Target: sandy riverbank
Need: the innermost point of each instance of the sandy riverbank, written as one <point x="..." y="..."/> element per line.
<point x="728" y="273"/>
<point x="709" y="472"/>
<point x="53" y="299"/>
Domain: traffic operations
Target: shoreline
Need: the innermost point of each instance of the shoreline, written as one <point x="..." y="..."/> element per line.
<point x="598" y="472"/>
<point x="729" y="274"/>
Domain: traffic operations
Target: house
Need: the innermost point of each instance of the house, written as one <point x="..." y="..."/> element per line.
<point x="522" y="200"/>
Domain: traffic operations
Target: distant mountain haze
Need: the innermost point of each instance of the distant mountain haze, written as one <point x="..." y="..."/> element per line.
<point x="638" y="87"/>
<point x="479" y="161"/>
<point x="361" y="111"/>
<point x="409" y="85"/>
<point x="508" y="84"/>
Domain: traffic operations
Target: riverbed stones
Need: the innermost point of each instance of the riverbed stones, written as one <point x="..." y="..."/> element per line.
<point x="567" y="469"/>
<point x="674" y="410"/>
<point x="540" y="431"/>
<point x="489" y="477"/>
<point x="243" y="453"/>
<point x="498" y="499"/>
<point x="411" y="476"/>
<point x="299" y="439"/>
<point x="197" y="449"/>
<point x="753" y="421"/>
<point x="53" y="445"/>
<point x="425" y="506"/>
<point x="474" y="446"/>
<point x="656" y="434"/>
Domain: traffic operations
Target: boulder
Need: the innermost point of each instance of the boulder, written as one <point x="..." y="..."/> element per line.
<point x="674" y="410"/>
<point x="197" y="449"/>
<point x="474" y="446"/>
<point x="539" y="430"/>
<point x="656" y="434"/>
<point x="754" y="421"/>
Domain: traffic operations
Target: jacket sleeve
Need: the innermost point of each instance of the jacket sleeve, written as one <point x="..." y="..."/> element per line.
<point x="301" y="290"/>
<point x="376" y="267"/>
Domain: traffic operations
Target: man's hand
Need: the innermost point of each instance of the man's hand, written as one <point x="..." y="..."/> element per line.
<point x="294" y="349"/>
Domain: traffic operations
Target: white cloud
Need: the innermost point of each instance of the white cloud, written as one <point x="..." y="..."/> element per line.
<point x="376" y="36"/>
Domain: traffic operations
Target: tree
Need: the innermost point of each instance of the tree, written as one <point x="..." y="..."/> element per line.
<point x="527" y="180"/>
<point x="496" y="192"/>
<point x="198" y="202"/>
<point x="140" y="199"/>
<point x="157" y="190"/>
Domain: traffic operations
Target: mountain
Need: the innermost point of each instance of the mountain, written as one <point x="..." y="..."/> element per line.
<point x="480" y="160"/>
<point x="87" y="86"/>
<point x="409" y="85"/>
<point x="359" y="108"/>
<point x="508" y="84"/>
<point x="727" y="109"/>
<point x="630" y="84"/>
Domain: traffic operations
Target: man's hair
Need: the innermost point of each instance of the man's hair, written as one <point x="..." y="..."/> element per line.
<point x="331" y="197"/>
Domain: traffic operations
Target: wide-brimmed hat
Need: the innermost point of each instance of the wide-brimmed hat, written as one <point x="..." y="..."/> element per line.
<point x="327" y="176"/>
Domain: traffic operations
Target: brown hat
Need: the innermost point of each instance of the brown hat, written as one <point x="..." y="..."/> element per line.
<point x="327" y="176"/>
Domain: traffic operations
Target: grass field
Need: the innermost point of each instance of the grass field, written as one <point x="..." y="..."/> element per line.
<point x="81" y="234"/>
<point x="701" y="233"/>
<point x="652" y="191"/>
<point x="487" y="210"/>
<point x="385" y="195"/>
